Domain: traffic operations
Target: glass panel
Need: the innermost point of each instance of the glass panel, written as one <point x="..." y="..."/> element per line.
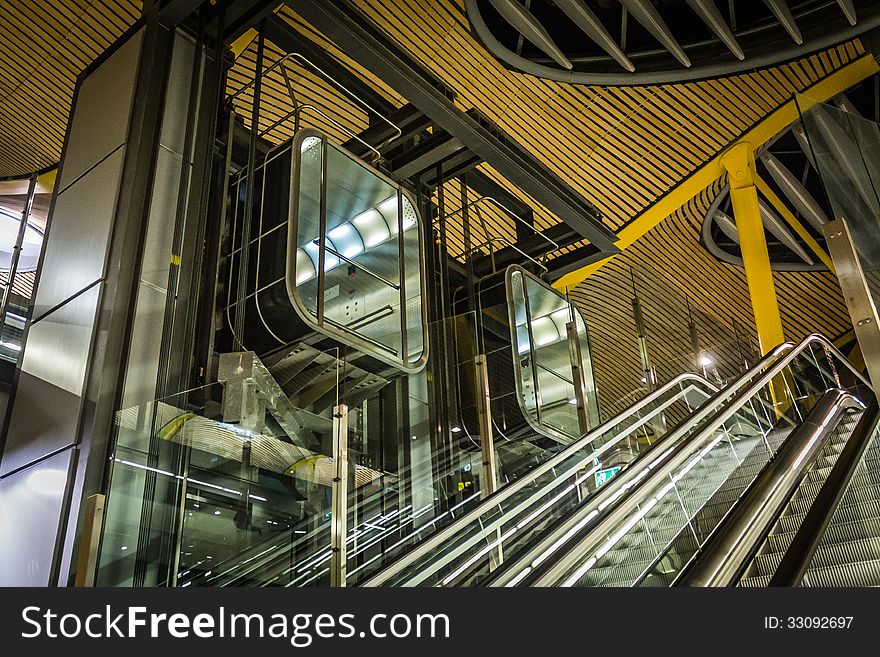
<point x="17" y="286"/>
<point x="372" y="255"/>
<point x="204" y="480"/>
<point x="675" y="515"/>
<point x="845" y="147"/>
<point x="543" y="355"/>
<point x="407" y="476"/>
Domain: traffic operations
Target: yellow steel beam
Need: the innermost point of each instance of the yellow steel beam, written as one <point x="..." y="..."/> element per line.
<point x="705" y="175"/>
<point x="739" y="162"/>
<point x="241" y="43"/>
<point x="788" y="215"/>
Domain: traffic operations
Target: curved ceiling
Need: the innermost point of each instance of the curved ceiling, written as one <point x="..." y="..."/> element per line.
<point x="622" y="148"/>
<point x="622" y="42"/>
<point x="45" y="46"/>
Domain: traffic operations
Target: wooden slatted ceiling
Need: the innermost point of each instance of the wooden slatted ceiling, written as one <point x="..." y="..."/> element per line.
<point x="670" y="263"/>
<point x="620" y="147"/>
<point x="46" y="45"/>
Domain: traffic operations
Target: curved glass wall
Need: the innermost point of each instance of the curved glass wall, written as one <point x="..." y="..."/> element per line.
<point x="337" y="249"/>
<point x="551" y="354"/>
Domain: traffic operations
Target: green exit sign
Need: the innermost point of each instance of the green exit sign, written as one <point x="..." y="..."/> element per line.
<point x="602" y="476"/>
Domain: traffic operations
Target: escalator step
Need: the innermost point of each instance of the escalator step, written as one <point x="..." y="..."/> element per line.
<point x="864" y="573"/>
<point x="837" y="553"/>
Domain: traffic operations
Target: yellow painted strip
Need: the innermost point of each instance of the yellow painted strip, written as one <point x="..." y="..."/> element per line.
<point x="173" y="427"/>
<point x="844" y="339"/>
<point x="306" y="462"/>
<point x="241" y="43"/>
<point x="857" y="358"/>
<point x="787" y="214"/>
<point x="701" y="178"/>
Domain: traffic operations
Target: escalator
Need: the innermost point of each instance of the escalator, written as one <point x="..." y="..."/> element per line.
<point x="695" y="509"/>
<point x="286" y="559"/>
<point x="658" y="518"/>
<point x="492" y="536"/>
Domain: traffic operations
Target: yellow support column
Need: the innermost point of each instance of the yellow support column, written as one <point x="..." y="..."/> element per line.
<point x="739" y="162"/>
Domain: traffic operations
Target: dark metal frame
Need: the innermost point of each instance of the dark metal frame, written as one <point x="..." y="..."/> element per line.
<point x="353" y="34"/>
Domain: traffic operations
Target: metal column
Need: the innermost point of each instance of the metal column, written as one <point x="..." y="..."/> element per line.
<point x="857" y="294"/>
<point x="577" y="376"/>
<point x="339" y="504"/>
<point x="489" y="474"/>
<point x="739" y="162"/>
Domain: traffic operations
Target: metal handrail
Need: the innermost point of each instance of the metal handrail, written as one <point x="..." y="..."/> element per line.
<point x="800" y="553"/>
<point x="615" y="504"/>
<point x="328" y="77"/>
<point x="506" y="492"/>
<point x="734" y="542"/>
<point x="506" y="242"/>
<point x="513" y="214"/>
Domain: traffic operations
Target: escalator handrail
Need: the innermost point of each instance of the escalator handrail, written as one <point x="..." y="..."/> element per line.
<point x="614" y="506"/>
<point x="732" y="545"/>
<point x="438" y="538"/>
<point x="799" y="555"/>
<point x="265" y="554"/>
<point x="451" y="530"/>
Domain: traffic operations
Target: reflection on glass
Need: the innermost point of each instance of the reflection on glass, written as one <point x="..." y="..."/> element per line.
<point x="370" y="251"/>
<point x="539" y="319"/>
<point x="846" y="149"/>
<point x="16" y="287"/>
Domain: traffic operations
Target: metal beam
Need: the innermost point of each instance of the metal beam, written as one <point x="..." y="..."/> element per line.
<point x="794" y="191"/>
<point x="173" y="12"/>
<point x="285" y="36"/>
<point x="783" y="14"/>
<point x="846" y="6"/>
<point x="701" y="178"/>
<point x="787" y="214"/>
<point x="857" y="294"/>
<point x="709" y="14"/>
<point x="353" y="34"/>
<point x="777" y="228"/>
<point x="524" y="22"/>
<point x="645" y="13"/>
<point x="739" y="162"/>
<point x="582" y="16"/>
